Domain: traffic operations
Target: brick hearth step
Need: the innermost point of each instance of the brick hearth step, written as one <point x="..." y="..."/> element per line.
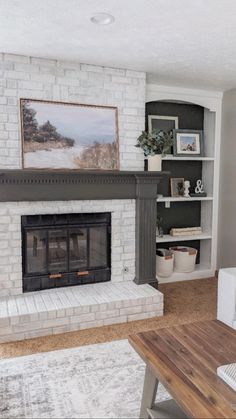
<point x="69" y="309"/>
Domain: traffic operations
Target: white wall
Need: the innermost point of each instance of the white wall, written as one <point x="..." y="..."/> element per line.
<point x="26" y="77"/>
<point x="227" y="206"/>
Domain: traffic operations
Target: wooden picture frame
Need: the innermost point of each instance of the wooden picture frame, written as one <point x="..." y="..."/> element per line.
<point x="164" y="122"/>
<point x="68" y="136"/>
<point x="188" y="143"/>
<point x="176" y="187"/>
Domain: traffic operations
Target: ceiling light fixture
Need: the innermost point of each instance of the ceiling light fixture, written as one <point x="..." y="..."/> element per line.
<point x="102" y="19"/>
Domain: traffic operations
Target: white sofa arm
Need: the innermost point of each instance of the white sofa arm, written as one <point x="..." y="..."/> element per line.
<point x="226" y="301"/>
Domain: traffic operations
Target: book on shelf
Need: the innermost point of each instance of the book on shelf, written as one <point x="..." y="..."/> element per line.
<point x="189" y="231"/>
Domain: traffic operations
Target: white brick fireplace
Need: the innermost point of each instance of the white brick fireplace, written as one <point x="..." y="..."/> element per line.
<point x="28" y="77"/>
<point x="72" y="308"/>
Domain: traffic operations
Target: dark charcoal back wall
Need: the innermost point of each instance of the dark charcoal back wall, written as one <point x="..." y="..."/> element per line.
<point x="190" y="170"/>
<point x="190" y="116"/>
<point x="180" y="214"/>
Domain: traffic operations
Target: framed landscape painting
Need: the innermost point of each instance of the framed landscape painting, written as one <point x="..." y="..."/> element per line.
<point x="57" y="135"/>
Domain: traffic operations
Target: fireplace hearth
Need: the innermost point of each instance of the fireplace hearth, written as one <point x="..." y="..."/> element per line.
<point x="61" y="250"/>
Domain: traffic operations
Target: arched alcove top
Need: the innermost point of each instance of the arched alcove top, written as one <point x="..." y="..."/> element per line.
<point x="188" y="115"/>
<point x="207" y="99"/>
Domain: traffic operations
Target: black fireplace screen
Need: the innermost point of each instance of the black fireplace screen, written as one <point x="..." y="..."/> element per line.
<point x="66" y="249"/>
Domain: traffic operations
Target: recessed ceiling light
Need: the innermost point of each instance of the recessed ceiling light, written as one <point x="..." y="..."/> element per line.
<point x="102" y="19"/>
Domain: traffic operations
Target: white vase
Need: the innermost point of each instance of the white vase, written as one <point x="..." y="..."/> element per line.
<point x="154" y="163"/>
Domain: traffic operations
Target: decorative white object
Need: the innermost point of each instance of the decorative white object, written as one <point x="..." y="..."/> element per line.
<point x="228" y="374"/>
<point x="186" y="188"/>
<point x="199" y="186"/>
<point x="184" y="258"/>
<point x="164" y="263"/>
<point x="155" y="163"/>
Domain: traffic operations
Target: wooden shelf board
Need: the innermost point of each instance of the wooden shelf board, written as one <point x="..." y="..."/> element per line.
<point x="168" y="238"/>
<point x="170" y="157"/>
<point x="183" y="199"/>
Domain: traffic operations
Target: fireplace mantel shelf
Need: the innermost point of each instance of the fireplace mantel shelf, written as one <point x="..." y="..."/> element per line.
<point x="38" y="185"/>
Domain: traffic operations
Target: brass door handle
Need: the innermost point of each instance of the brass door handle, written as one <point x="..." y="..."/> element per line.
<point x="82" y="273"/>
<point x="53" y="276"/>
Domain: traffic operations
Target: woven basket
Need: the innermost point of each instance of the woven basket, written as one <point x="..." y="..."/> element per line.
<point x="164" y="262"/>
<point x="184" y="258"/>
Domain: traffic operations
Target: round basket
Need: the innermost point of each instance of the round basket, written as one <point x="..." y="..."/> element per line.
<point x="184" y="258"/>
<point x="164" y="262"/>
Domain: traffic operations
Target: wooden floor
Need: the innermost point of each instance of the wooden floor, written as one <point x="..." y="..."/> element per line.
<point x="185" y="302"/>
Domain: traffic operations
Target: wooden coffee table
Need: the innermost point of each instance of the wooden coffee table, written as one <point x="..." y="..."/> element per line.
<point x="184" y="359"/>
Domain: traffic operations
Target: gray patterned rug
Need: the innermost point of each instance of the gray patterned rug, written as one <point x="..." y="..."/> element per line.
<point x="96" y="381"/>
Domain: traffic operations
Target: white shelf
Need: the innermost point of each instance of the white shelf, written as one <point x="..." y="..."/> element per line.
<point x="183" y="199"/>
<point x="201" y="271"/>
<point x="170" y="157"/>
<point x="168" y="238"/>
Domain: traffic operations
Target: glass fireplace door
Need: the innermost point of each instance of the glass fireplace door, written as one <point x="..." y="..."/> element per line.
<point x="98" y="247"/>
<point x="78" y="252"/>
<point x="57" y="251"/>
<point x="36" y="251"/>
<point x="65" y="249"/>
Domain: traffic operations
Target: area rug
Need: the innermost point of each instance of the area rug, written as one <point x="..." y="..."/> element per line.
<point x="95" y="381"/>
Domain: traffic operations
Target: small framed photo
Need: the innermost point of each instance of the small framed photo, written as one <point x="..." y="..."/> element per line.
<point x="188" y="142"/>
<point x="166" y="123"/>
<point x="177" y="186"/>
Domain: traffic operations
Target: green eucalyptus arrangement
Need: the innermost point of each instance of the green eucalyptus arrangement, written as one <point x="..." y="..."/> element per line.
<point x="156" y="142"/>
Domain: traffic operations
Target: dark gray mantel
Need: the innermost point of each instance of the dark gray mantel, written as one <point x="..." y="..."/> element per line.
<point x="36" y="185"/>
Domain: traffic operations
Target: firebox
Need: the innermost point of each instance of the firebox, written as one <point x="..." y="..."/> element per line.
<point x="65" y="249"/>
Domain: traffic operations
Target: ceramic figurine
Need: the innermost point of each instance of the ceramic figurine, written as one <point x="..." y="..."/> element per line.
<point x="186" y="188"/>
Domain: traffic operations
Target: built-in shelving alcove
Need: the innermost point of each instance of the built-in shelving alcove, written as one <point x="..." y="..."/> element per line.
<point x="195" y="111"/>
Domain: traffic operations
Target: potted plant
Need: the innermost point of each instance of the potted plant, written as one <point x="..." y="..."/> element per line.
<point x="154" y="145"/>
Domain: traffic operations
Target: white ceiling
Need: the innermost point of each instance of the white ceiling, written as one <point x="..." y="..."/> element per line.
<point x="188" y="43"/>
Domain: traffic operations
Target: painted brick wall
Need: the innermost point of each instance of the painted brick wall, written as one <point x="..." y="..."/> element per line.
<point x="25" y="77"/>
<point x="122" y="241"/>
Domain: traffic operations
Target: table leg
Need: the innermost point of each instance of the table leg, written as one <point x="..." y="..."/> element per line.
<point x="149" y="393"/>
